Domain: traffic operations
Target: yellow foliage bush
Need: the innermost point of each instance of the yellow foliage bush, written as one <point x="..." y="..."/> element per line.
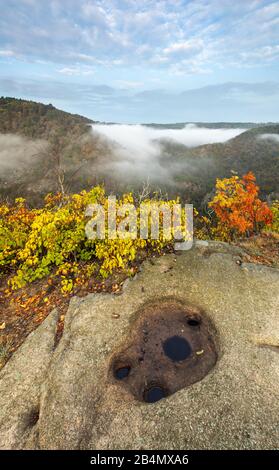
<point x="35" y="243"/>
<point x="274" y="227"/>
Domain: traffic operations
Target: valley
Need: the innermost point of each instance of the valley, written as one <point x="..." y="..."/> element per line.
<point x="41" y="145"/>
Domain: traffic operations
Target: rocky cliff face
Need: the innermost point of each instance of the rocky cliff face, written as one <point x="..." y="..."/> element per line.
<point x="72" y="397"/>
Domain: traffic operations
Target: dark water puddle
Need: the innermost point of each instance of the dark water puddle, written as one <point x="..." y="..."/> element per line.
<point x="122" y="372"/>
<point x="153" y="394"/>
<point x="177" y="348"/>
<point x="193" y="322"/>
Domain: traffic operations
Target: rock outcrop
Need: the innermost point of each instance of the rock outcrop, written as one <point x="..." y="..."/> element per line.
<point x="70" y="398"/>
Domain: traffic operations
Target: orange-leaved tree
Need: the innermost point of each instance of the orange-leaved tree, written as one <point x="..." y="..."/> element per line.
<point x="238" y="207"/>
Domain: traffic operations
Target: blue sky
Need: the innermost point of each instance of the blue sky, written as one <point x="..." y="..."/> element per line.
<point x="135" y="61"/>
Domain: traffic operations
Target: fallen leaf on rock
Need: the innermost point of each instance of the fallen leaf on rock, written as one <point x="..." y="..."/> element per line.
<point x="115" y="315"/>
<point x="198" y="353"/>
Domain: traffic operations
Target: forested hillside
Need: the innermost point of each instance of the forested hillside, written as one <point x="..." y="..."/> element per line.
<point x="37" y="120"/>
<point x="253" y="150"/>
<point x="42" y="149"/>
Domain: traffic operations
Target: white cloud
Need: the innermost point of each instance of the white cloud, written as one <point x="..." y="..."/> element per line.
<point x="7" y="53"/>
<point x="266" y="52"/>
<point x="129" y="84"/>
<point x="184" y="47"/>
<point x="84" y="57"/>
<point x="76" y="71"/>
<point x="160" y="34"/>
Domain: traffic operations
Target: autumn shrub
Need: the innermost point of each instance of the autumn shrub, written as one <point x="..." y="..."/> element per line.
<point x="238" y="209"/>
<point x="51" y="241"/>
<point x="202" y="226"/>
<point x="274" y="227"/>
<point x="15" y="226"/>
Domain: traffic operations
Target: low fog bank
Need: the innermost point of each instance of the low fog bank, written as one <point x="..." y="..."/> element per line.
<point x="274" y="137"/>
<point x="138" y="152"/>
<point x="17" y="153"/>
<point x="144" y="137"/>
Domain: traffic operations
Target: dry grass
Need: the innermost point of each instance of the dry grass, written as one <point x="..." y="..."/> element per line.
<point x="262" y="249"/>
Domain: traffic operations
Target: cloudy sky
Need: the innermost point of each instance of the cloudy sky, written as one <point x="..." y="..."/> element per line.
<point x="143" y="61"/>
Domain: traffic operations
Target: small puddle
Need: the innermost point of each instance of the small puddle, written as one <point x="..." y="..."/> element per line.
<point x="122" y="372"/>
<point x="177" y="348"/>
<point x="153" y="394"/>
<point x="193" y="322"/>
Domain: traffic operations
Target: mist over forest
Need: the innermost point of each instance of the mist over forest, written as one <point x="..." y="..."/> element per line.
<point x="138" y="150"/>
<point x="40" y="145"/>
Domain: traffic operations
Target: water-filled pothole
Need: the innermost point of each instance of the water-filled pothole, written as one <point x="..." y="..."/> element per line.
<point x="177" y="348"/>
<point x="154" y="393"/>
<point x="195" y="322"/>
<point x="170" y="346"/>
<point x="122" y="372"/>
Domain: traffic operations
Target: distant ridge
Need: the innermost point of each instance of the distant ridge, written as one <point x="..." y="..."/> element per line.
<point x="211" y="125"/>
